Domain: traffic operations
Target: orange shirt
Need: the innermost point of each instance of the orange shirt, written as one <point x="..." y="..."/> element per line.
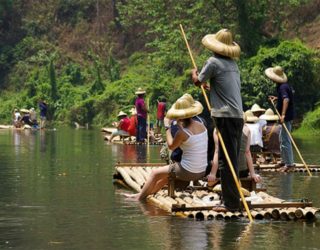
<point x="132" y="130"/>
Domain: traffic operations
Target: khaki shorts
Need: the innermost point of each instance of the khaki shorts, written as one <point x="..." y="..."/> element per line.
<point x="180" y="173"/>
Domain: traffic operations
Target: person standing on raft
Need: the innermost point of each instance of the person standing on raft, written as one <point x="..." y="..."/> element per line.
<point x="285" y="107"/>
<point x="224" y="76"/>
<point x="191" y="137"/>
<point x="142" y="112"/>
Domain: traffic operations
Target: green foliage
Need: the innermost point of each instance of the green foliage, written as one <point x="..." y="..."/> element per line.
<point x="300" y="66"/>
<point x="311" y="123"/>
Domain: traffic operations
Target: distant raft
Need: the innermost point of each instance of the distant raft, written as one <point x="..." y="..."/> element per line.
<point x="196" y="202"/>
<point x="299" y="167"/>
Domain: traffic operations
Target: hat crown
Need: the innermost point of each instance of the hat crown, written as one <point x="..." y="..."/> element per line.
<point x="278" y="70"/>
<point x="188" y="97"/>
<point x="183" y="103"/>
<point x="224" y="36"/>
<point x="249" y="113"/>
<point x="269" y="112"/>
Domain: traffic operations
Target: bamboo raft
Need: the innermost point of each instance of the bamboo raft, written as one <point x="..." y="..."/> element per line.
<point x="196" y="202"/>
<point x="299" y="167"/>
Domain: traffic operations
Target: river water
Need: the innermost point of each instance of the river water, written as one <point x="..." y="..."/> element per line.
<point x="56" y="192"/>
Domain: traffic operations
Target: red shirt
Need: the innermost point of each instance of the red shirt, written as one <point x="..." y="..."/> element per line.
<point x="161" y="110"/>
<point x="124" y="124"/>
<point x="132" y="130"/>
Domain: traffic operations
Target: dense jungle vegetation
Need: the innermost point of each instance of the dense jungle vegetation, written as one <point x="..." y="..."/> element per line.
<point x="87" y="57"/>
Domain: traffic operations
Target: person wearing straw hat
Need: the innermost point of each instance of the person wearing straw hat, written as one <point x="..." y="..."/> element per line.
<point x="161" y="112"/>
<point x="141" y="115"/>
<point x="223" y="73"/>
<point x="25" y="117"/>
<point x="256" y="143"/>
<point x="122" y="126"/>
<point x="192" y="138"/>
<point x="258" y="111"/>
<point x="285" y="107"/>
<point x="43" y="106"/>
<point x="271" y="133"/>
<point x="132" y="130"/>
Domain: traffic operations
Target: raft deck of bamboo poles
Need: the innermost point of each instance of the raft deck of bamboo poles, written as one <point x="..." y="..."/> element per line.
<point x="299" y="167"/>
<point x="196" y="202"/>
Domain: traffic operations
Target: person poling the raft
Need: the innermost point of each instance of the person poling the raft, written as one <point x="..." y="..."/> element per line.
<point x="285" y="107"/>
<point x="224" y="76"/>
<point x="122" y="126"/>
<point x="142" y="112"/>
<point x="191" y="137"/>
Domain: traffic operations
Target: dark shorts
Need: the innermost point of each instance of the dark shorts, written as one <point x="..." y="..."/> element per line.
<point x="255" y="149"/>
<point x="180" y="173"/>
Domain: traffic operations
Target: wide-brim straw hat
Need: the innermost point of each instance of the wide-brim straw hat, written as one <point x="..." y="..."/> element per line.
<point x="121" y="113"/>
<point x="276" y="74"/>
<point x="185" y="107"/>
<point x="269" y="116"/>
<point x="140" y="91"/>
<point x="222" y="44"/>
<point x="133" y="111"/>
<point x="250" y="116"/>
<point x="256" y="108"/>
<point x="25" y="111"/>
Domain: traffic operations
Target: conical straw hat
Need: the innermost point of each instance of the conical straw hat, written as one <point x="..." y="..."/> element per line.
<point x="121" y="113"/>
<point x="25" y="111"/>
<point x="250" y="117"/>
<point x="185" y="107"/>
<point x="140" y="91"/>
<point x="269" y="116"/>
<point x="276" y="74"/>
<point x="222" y="44"/>
<point x="133" y="111"/>
<point x="256" y="108"/>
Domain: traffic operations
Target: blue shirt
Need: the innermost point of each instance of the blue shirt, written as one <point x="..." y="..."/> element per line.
<point x="284" y="91"/>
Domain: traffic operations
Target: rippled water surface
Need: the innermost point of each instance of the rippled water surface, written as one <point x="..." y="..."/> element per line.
<point x="57" y="193"/>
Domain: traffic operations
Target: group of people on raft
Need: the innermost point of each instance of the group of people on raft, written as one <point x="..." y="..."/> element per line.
<point x="222" y="72"/>
<point x="27" y="118"/>
<point x="136" y="124"/>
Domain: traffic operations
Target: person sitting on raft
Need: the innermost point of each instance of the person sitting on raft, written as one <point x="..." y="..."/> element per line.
<point x="122" y="126"/>
<point x="25" y="119"/>
<point x="192" y="138"/>
<point x="245" y="158"/>
<point x="16" y="118"/>
<point x="271" y="134"/>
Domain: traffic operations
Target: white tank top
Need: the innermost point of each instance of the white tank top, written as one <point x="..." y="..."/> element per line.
<point x="194" y="156"/>
<point x="256" y="134"/>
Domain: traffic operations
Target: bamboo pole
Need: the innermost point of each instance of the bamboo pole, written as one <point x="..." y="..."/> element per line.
<point x="219" y="135"/>
<point x="294" y="144"/>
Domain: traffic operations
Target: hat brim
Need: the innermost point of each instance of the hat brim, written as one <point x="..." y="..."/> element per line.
<point x="194" y="110"/>
<point x="211" y="43"/>
<point x="24" y="110"/>
<point x="140" y="92"/>
<point x="258" y="110"/>
<point x="269" y="117"/>
<point x="274" y="77"/>
<point x="252" y="119"/>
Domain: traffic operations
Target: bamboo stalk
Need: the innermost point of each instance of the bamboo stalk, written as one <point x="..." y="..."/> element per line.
<point x="219" y="135"/>
<point x="128" y="180"/>
<point x="299" y="213"/>
<point x="275" y="214"/>
<point x="284" y="214"/>
<point x="294" y="144"/>
<point x="134" y="176"/>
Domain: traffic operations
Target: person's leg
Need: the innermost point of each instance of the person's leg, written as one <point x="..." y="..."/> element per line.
<point x="143" y="129"/>
<point x="285" y="146"/>
<point x="231" y="131"/>
<point x="289" y="144"/>
<point x="139" y="119"/>
<point x="154" y="183"/>
<point x="114" y="134"/>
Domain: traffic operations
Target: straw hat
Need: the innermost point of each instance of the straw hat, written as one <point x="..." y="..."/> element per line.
<point x="140" y="91"/>
<point x="121" y="113"/>
<point x="269" y="116"/>
<point x="256" y="108"/>
<point x="250" y="117"/>
<point x="222" y="44"/>
<point x="184" y="107"/>
<point x="133" y="111"/>
<point x="24" y="111"/>
<point x="276" y="74"/>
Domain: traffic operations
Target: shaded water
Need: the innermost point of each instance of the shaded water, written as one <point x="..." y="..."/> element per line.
<point x="57" y="193"/>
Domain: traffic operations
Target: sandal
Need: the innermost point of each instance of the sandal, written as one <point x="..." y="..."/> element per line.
<point x="220" y="209"/>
